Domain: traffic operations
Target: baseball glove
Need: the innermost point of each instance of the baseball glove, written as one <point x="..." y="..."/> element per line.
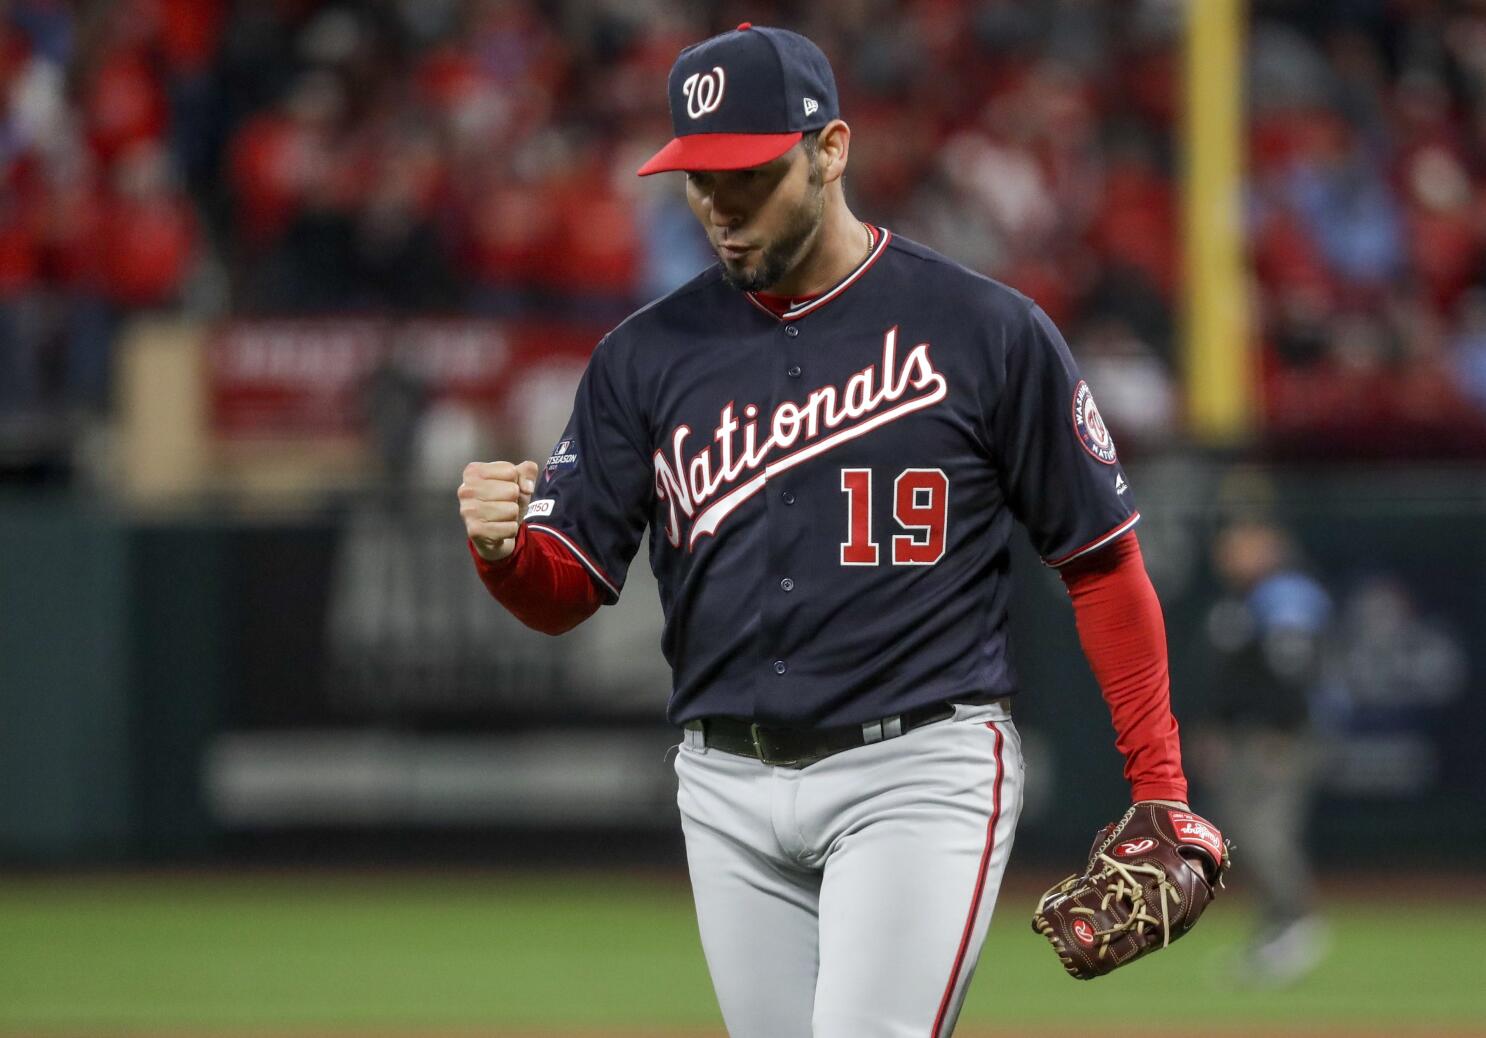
<point x="1148" y="879"/>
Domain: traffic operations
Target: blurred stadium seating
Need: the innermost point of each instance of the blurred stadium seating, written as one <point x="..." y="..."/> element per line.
<point x="313" y="157"/>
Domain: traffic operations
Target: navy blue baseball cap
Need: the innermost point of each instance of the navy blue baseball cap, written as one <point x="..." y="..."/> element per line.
<point x="745" y="98"/>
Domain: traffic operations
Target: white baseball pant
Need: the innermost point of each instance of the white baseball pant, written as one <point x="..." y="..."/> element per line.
<point x="850" y="899"/>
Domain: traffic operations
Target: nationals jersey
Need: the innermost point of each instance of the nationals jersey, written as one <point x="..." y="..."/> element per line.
<point x="830" y="492"/>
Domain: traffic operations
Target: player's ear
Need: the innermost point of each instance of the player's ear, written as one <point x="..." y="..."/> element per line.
<point x="831" y="152"/>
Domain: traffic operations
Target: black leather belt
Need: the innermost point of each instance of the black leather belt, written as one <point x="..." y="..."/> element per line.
<point x="801" y="747"/>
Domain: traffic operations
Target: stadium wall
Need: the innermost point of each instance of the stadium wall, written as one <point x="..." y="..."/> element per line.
<point x="214" y="687"/>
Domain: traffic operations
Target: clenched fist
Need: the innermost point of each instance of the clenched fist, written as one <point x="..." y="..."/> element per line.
<point x="492" y="500"/>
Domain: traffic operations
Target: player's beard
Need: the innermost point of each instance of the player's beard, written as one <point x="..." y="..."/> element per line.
<point x="779" y="258"/>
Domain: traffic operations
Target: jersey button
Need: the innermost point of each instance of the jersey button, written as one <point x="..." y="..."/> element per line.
<point x="794" y="370"/>
<point x="787" y="584"/>
<point x="779" y="667"/>
<point x="791" y="330"/>
<point x="787" y="497"/>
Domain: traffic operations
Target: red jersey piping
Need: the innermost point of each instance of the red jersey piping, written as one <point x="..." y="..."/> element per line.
<point x="825" y="297"/>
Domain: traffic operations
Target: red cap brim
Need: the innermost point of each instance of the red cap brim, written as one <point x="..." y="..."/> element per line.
<point x="714" y="151"/>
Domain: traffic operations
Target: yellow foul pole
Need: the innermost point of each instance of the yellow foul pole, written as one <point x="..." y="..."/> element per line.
<point x="1220" y="368"/>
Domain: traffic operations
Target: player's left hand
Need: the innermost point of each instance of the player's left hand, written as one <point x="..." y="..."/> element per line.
<point x="1148" y="879"/>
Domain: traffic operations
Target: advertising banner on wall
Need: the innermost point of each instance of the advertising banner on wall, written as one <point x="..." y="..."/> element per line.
<point x="292" y="379"/>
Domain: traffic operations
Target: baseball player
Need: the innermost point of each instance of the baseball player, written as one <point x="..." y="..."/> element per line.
<point x="829" y="434"/>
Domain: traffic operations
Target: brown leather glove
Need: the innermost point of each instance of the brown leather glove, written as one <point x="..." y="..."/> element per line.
<point x="1148" y="879"/>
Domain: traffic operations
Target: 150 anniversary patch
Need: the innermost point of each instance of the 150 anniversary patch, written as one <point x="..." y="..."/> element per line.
<point x="1089" y="425"/>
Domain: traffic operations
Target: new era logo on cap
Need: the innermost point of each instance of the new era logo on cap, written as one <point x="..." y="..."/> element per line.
<point x="744" y="98"/>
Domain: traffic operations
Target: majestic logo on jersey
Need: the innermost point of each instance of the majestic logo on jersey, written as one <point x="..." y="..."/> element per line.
<point x="794" y="433"/>
<point x="1092" y="432"/>
<point x="704" y="91"/>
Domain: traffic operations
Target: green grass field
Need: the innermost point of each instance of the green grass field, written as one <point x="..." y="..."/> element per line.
<point x="594" y="954"/>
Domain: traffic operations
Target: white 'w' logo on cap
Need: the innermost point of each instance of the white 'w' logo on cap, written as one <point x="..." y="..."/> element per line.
<point x="703" y="92"/>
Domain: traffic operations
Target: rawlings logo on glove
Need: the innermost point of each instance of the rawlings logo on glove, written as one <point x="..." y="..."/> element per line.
<point x="1149" y="877"/>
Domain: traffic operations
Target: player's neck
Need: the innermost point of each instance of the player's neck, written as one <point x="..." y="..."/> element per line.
<point x="837" y="249"/>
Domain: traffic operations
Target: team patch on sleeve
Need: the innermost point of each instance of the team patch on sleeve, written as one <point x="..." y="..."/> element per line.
<point x="1089" y="425"/>
<point x="565" y="453"/>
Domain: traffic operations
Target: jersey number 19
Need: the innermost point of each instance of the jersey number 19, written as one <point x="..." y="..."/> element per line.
<point x="920" y="505"/>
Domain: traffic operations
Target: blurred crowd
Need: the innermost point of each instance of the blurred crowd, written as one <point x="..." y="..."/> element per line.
<point x="477" y="156"/>
<point x="1367" y="175"/>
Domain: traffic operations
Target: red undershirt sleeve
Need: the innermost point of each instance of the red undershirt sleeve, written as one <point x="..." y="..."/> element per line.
<point x="540" y="583"/>
<point x="1124" y="638"/>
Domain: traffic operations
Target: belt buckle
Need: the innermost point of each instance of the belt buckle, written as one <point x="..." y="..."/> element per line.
<point x="755" y="733"/>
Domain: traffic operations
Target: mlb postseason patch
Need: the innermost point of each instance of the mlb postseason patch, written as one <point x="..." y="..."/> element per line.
<point x="1089" y="425"/>
<point x="565" y="453"/>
